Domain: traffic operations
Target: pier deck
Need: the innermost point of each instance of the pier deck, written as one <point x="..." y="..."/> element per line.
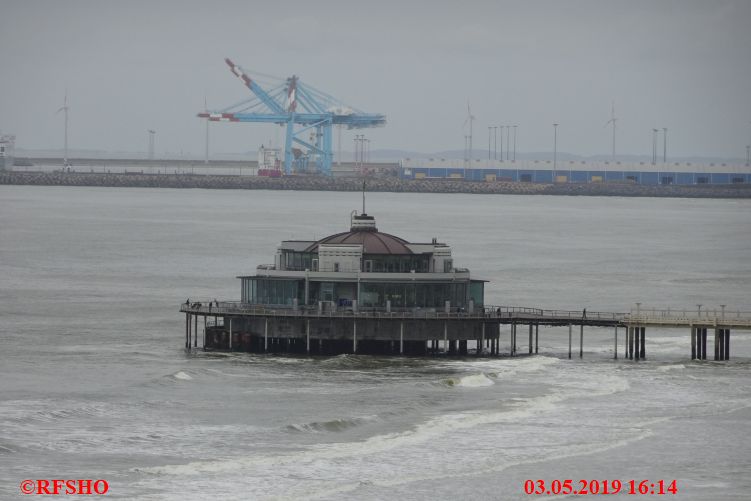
<point x="244" y="327"/>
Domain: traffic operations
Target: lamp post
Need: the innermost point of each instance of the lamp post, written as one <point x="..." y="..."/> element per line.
<point x="152" y="133"/>
<point x="489" y="129"/>
<point x="654" y="146"/>
<point x="514" y="159"/>
<point x="501" y="127"/>
<point x="508" y="142"/>
<point x="495" y="142"/>
<point x="664" y="145"/>
<point x="555" y="148"/>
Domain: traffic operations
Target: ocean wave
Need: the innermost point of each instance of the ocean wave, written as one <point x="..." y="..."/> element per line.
<point x="182" y="376"/>
<point x="470" y="381"/>
<point x="334" y="425"/>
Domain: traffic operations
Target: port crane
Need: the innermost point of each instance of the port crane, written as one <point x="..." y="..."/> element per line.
<point x="302" y="109"/>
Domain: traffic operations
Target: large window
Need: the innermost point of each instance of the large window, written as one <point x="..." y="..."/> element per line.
<point x="274" y="292"/>
<point x="410" y="295"/>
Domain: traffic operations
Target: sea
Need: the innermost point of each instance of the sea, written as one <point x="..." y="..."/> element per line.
<point x="95" y="382"/>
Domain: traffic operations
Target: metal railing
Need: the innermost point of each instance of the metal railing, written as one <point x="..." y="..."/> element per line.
<point x="491" y="312"/>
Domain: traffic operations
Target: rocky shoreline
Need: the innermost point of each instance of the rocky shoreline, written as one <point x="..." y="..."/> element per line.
<point x="313" y="183"/>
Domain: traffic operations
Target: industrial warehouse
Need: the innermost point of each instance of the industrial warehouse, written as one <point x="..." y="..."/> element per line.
<point x="542" y="171"/>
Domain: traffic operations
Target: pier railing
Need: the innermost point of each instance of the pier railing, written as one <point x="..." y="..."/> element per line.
<point x="678" y="317"/>
<point x="494" y="312"/>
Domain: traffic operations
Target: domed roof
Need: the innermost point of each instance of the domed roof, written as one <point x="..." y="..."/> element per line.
<point x="372" y="241"/>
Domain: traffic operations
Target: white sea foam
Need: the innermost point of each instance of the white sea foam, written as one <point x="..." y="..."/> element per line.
<point x="666" y="368"/>
<point x="182" y="375"/>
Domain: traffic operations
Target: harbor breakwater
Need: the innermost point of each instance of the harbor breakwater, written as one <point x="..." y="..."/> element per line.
<point x="316" y="183"/>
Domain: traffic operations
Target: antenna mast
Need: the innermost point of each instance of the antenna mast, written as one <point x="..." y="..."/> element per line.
<point x="363" y="197"/>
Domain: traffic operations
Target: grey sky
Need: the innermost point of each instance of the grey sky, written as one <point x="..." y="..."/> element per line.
<point x="133" y="65"/>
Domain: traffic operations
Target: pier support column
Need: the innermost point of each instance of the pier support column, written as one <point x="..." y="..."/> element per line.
<point x="482" y="340"/>
<point x="625" y="343"/>
<point x="581" y="341"/>
<point x="354" y="336"/>
<point x="512" y="341"/>
<point x="716" y="344"/>
<point x="727" y="344"/>
<point x="266" y="335"/>
<point x="636" y="342"/>
<point x="204" y="332"/>
<point x="703" y="343"/>
<point x="307" y="336"/>
<point x="570" y="327"/>
<point x="195" y="332"/>
<point x="187" y="328"/>
<point x="230" y="333"/>
<point x="643" y="352"/>
<point x="401" y="338"/>
<point x="630" y="343"/>
<point x="530" y="339"/>
<point x="693" y="343"/>
<point x="445" y="336"/>
<point x="615" y="347"/>
<point x="537" y="338"/>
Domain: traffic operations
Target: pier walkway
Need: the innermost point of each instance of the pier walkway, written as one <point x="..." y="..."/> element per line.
<point x="421" y="331"/>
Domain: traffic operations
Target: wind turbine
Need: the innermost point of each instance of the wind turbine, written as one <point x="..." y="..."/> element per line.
<point x="470" y="118"/>
<point x="612" y="121"/>
<point x="64" y="109"/>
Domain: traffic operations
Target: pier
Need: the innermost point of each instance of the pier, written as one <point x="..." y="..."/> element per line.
<point x="488" y="331"/>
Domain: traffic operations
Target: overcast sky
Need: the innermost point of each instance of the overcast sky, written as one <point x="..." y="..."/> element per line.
<point x="129" y="66"/>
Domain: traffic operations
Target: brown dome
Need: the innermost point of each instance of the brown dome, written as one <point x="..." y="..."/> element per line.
<point x="373" y="242"/>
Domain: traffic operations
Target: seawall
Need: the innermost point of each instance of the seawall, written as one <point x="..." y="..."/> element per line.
<point x="315" y="183"/>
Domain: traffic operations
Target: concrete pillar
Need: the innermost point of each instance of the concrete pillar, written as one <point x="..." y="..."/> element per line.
<point x="354" y="336"/>
<point x="307" y="336"/>
<point x="482" y="340"/>
<point x="703" y="343"/>
<point x="401" y="338"/>
<point x="615" y="347"/>
<point x="204" y="332"/>
<point x="530" y="339"/>
<point x="354" y="306"/>
<point x="187" y="328"/>
<point x="643" y="353"/>
<point x="463" y="347"/>
<point x="512" y="341"/>
<point x="445" y="335"/>
<point x="721" y="334"/>
<point x="636" y="342"/>
<point x="447" y="307"/>
<point x="230" y="333"/>
<point x="570" y="327"/>
<point x="537" y="338"/>
<point x="630" y="343"/>
<point x="388" y="306"/>
<point x="581" y="341"/>
<point x="266" y="335"/>
<point x="195" y="332"/>
<point x="514" y="325"/>
<point x="693" y="343"/>
<point x="716" y="344"/>
<point x="727" y="344"/>
<point x="625" y="343"/>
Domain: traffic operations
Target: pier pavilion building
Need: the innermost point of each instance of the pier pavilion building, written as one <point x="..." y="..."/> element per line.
<point x="362" y="269"/>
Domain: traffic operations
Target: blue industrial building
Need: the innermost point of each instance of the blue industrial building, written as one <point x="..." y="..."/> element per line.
<point x="576" y="172"/>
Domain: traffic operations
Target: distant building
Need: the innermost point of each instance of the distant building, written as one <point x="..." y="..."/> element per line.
<point x="7" y="146"/>
<point x="541" y="171"/>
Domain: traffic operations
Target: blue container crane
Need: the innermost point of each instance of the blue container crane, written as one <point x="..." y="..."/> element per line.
<point x="302" y="109"/>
